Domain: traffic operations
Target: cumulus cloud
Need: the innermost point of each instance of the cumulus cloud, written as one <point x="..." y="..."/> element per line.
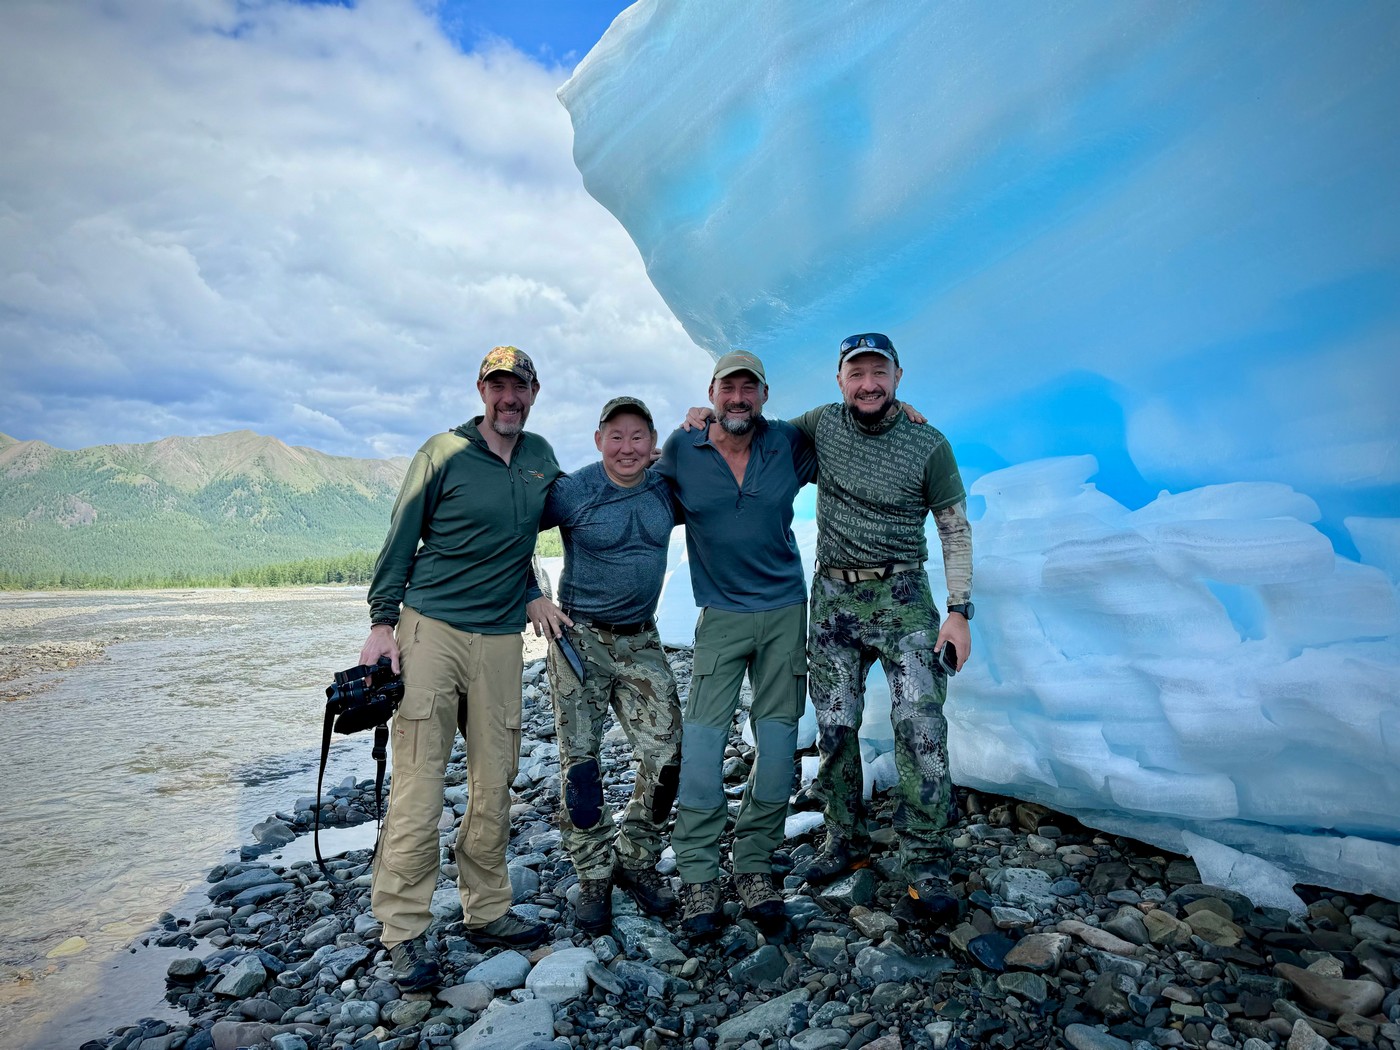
<point x="306" y="220"/>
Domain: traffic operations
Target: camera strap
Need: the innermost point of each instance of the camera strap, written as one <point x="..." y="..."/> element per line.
<point x="380" y="753"/>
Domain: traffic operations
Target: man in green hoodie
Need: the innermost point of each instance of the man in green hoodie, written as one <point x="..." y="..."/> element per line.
<point x="447" y="606"/>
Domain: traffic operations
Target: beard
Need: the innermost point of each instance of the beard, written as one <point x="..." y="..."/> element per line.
<point x="507" y="430"/>
<point x="869" y="417"/>
<point x="738" y="427"/>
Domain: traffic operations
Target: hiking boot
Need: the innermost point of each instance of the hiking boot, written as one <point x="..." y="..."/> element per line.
<point x="647" y="887"/>
<point x="414" y="969"/>
<point x="762" y="903"/>
<point x="702" y="913"/>
<point x="593" y="909"/>
<point x="510" y="931"/>
<point x="926" y="904"/>
<point x="837" y="857"/>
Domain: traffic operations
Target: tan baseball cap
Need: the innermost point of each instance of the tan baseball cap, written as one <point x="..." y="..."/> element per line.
<point x="509" y="359"/>
<point x="739" y="361"/>
<point x="626" y="404"/>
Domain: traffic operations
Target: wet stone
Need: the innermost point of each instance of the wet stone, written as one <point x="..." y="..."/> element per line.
<point x="1038" y="952"/>
<point x="855" y="968"/>
<point x="990" y="950"/>
<point x="1028" y="986"/>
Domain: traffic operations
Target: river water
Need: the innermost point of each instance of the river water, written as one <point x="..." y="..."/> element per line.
<point x="125" y="778"/>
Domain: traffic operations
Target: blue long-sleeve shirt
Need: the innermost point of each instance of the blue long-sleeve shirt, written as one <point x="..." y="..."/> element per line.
<point x="615" y="542"/>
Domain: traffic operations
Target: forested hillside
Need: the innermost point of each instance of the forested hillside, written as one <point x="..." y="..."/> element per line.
<point x="186" y="511"/>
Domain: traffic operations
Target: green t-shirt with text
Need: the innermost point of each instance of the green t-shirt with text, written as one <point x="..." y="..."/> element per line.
<point x="875" y="486"/>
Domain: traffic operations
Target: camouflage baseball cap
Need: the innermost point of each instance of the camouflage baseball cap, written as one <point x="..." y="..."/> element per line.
<point x="626" y="404"/>
<point x="509" y="359"/>
<point x="739" y="361"/>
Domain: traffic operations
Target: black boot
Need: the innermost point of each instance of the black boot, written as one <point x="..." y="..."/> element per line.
<point x="593" y="911"/>
<point x="838" y="857"/>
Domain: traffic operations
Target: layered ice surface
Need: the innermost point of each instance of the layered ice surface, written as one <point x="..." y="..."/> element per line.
<point x="1142" y="266"/>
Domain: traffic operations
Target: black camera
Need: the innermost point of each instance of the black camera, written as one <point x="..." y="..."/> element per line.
<point x="364" y="696"/>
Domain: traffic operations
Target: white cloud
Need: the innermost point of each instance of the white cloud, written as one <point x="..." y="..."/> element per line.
<point x="307" y="220"/>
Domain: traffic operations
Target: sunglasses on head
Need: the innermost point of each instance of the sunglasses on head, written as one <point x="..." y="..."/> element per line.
<point x="873" y="340"/>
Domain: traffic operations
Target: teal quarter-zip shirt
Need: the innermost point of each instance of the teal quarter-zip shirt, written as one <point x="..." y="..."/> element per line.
<point x="462" y="532"/>
<point x="743" y="556"/>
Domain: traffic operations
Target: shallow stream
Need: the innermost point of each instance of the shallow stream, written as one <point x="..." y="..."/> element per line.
<point x="128" y="774"/>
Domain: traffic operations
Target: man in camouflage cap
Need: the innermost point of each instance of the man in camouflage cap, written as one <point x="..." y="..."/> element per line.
<point x="447" y="605"/>
<point x="881" y="476"/>
<point x="615" y="517"/>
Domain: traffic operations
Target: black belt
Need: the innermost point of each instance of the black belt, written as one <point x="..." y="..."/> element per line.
<point x="615" y="628"/>
<point x="883" y="572"/>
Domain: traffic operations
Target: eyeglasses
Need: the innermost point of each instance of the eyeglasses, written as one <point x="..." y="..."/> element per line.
<point x="873" y="340"/>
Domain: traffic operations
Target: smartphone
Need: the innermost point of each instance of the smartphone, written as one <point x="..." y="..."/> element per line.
<point x="948" y="659"/>
<point x="570" y="654"/>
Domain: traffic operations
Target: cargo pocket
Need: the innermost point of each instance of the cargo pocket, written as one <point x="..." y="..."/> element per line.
<point x="512" y="726"/>
<point x="703" y="664"/>
<point x="798" y="661"/>
<point x="410" y="725"/>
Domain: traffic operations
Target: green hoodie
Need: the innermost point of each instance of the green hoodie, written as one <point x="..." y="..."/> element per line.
<point x="476" y="518"/>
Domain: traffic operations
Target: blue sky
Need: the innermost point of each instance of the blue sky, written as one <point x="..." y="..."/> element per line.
<point x="553" y="31"/>
<point x="310" y="221"/>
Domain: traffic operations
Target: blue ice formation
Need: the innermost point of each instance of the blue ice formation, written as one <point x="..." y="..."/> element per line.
<point x="1142" y="262"/>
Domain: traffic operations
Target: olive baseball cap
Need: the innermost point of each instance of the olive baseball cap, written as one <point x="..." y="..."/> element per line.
<point x="739" y="361"/>
<point x="626" y="404"/>
<point x="509" y="359"/>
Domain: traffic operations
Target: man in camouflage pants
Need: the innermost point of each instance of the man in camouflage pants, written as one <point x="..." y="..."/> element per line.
<point x="615" y="517"/>
<point x="879" y="476"/>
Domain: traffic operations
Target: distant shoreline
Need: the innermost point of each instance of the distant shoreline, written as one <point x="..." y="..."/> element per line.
<point x="44" y="655"/>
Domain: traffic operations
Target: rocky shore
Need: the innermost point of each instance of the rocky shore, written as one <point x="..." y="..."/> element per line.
<point x="1069" y="938"/>
<point x="22" y="661"/>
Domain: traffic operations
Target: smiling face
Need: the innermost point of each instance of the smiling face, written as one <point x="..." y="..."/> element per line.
<point x="738" y="401"/>
<point x="626" y="441"/>
<point x="868" y="383"/>
<point x="507" y="399"/>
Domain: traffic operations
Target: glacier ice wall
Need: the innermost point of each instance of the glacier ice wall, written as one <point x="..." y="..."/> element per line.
<point x="1143" y="265"/>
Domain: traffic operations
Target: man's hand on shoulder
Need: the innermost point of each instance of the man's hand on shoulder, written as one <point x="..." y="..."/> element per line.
<point x="547" y="618"/>
<point x="915" y="416"/>
<point x="381" y="642"/>
<point x="698" y="418"/>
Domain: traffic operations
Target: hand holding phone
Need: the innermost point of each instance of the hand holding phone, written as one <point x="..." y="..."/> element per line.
<point x="948" y="658"/>
<point x="570" y="653"/>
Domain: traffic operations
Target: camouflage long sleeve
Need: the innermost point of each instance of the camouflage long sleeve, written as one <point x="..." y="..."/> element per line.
<point x="955" y="534"/>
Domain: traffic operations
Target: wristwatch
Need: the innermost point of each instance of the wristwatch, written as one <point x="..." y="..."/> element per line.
<point x="965" y="610"/>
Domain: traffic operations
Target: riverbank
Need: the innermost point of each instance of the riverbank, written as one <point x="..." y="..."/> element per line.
<point x="1068" y="937"/>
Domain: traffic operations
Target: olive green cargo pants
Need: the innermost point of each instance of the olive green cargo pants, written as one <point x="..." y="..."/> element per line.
<point x="771" y="648"/>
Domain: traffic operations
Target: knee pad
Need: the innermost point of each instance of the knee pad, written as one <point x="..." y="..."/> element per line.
<point x="583" y="794"/>
<point x="773" y="773"/>
<point x="702" y="761"/>
<point x="667" y="784"/>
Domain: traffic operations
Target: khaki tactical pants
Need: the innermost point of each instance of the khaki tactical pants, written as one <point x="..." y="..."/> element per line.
<point x="629" y="675"/>
<point x="453" y="680"/>
<point x="771" y="648"/>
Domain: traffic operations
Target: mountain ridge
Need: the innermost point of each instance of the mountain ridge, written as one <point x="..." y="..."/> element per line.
<point x="183" y="505"/>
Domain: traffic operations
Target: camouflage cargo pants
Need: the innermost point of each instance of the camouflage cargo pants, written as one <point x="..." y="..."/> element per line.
<point x="629" y="675"/>
<point x="853" y="625"/>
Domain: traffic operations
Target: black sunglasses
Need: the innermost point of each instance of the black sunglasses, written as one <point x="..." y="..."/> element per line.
<point x="873" y="340"/>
